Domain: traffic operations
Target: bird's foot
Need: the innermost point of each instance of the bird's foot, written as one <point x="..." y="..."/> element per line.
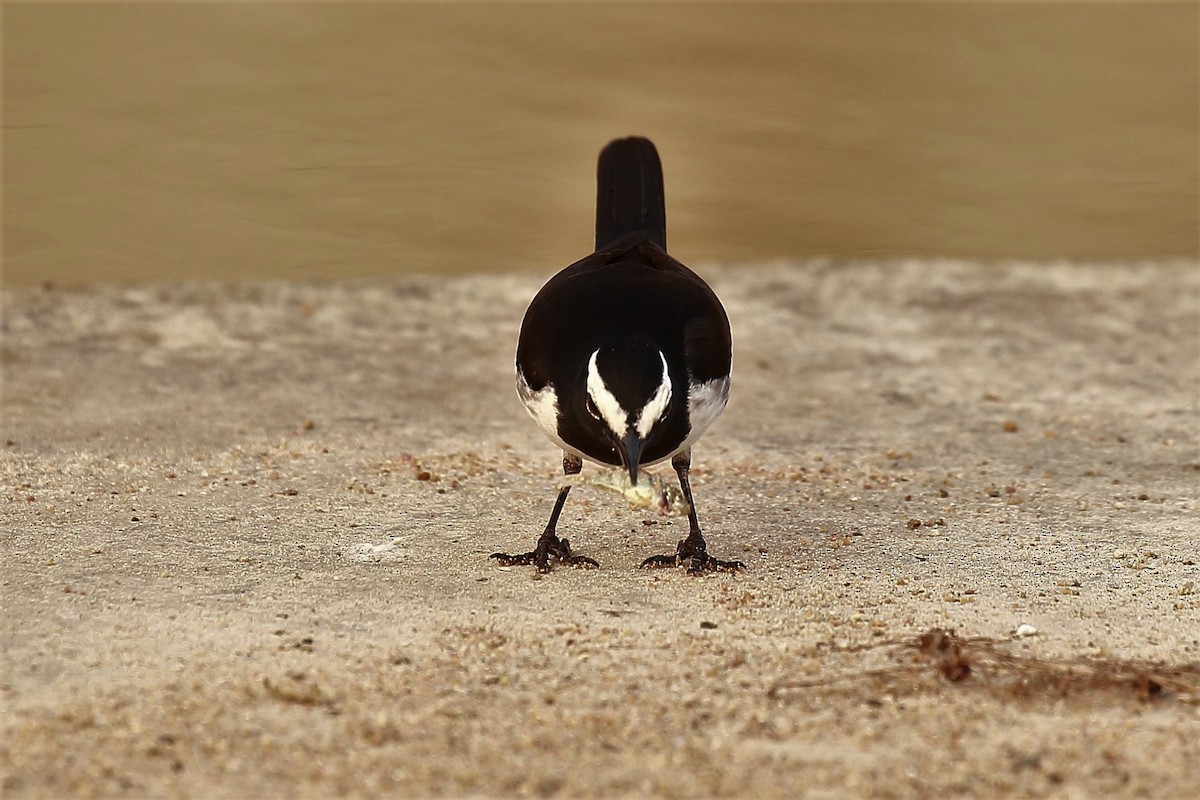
<point x="549" y="547"/>
<point x="693" y="555"/>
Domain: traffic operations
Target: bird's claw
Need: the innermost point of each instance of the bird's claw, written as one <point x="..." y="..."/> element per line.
<point x="695" y="559"/>
<point x="548" y="548"/>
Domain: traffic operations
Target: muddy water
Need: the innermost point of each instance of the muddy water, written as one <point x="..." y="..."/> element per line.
<point x="284" y="140"/>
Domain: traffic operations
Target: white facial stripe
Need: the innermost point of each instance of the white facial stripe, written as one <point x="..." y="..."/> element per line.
<point x="610" y="410"/>
<point x="653" y="411"/>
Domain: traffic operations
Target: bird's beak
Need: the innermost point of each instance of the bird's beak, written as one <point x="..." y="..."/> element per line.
<point x="631" y="452"/>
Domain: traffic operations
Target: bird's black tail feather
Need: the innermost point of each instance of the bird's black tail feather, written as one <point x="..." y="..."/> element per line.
<point x="629" y="192"/>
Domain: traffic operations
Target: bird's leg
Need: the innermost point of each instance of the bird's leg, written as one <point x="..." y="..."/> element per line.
<point x="549" y="545"/>
<point x="691" y="552"/>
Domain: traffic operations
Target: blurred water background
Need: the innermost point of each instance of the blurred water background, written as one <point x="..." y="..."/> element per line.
<point x="279" y="140"/>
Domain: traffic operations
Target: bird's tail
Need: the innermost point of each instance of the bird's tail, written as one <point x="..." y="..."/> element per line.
<point x="629" y="192"/>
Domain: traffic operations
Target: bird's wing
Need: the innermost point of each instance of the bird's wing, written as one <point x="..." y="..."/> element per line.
<point x="706" y="348"/>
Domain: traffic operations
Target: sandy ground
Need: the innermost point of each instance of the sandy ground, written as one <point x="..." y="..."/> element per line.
<point x="246" y="530"/>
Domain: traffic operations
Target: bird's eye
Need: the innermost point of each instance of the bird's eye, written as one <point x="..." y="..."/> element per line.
<point x="591" y="408"/>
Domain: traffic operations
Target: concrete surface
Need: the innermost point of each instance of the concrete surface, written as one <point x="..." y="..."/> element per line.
<point x="246" y="529"/>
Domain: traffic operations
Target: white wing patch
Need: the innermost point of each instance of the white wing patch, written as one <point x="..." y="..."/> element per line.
<point x="706" y="401"/>
<point x="542" y="406"/>
<point x="610" y="410"/>
<point x="654" y="409"/>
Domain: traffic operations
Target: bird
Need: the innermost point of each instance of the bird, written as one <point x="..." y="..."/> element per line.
<point x="624" y="357"/>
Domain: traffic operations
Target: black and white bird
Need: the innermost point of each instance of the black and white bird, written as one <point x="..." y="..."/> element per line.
<point x="624" y="356"/>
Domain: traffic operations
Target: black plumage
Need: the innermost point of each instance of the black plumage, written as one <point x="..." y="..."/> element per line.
<point x="601" y="335"/>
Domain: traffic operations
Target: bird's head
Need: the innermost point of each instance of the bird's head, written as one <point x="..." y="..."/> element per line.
<point x="629" y="393"/>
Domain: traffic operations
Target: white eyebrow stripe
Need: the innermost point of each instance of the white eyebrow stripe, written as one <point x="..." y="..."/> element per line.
<point x="610" y="410"/>
<point x="653" y="411"/>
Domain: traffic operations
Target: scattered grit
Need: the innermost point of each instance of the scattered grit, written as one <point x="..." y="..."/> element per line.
<point x="246" y="530"/>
